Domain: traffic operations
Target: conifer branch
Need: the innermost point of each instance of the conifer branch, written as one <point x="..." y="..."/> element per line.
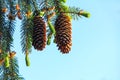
<point x="26" y="35"/>
<point x="12" y="72"/>
<point x="48" y="11"/>
<point x="75" y="13"/>
<point x="35" y="5"/>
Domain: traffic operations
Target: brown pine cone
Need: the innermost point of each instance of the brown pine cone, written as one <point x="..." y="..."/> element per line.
<point x="63" y="36"/>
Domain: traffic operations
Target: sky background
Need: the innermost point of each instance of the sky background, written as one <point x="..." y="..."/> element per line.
<point x="95" y="53"/>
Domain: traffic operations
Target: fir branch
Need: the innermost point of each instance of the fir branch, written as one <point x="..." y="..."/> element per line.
<point x="34" y="4"/>
<point x="11" y="72"/>
<point x="10" y="26"/>
<point x="26" y="29"/>
<point x="2" y="30"/>
<point x="6" y="29"/>
<point x="9" y="34"/>
<point x="75" y="13"/>
<point x="26" y="35"/>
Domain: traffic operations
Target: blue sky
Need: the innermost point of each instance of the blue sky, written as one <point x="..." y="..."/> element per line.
<point x="95" y="53"/>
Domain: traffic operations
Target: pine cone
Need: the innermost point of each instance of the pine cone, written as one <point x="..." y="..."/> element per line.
<point x="63" y="33"/>
<point x="39" y="33"/>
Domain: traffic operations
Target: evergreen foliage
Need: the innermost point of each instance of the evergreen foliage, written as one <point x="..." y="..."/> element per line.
<point x="47" y="12"/>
